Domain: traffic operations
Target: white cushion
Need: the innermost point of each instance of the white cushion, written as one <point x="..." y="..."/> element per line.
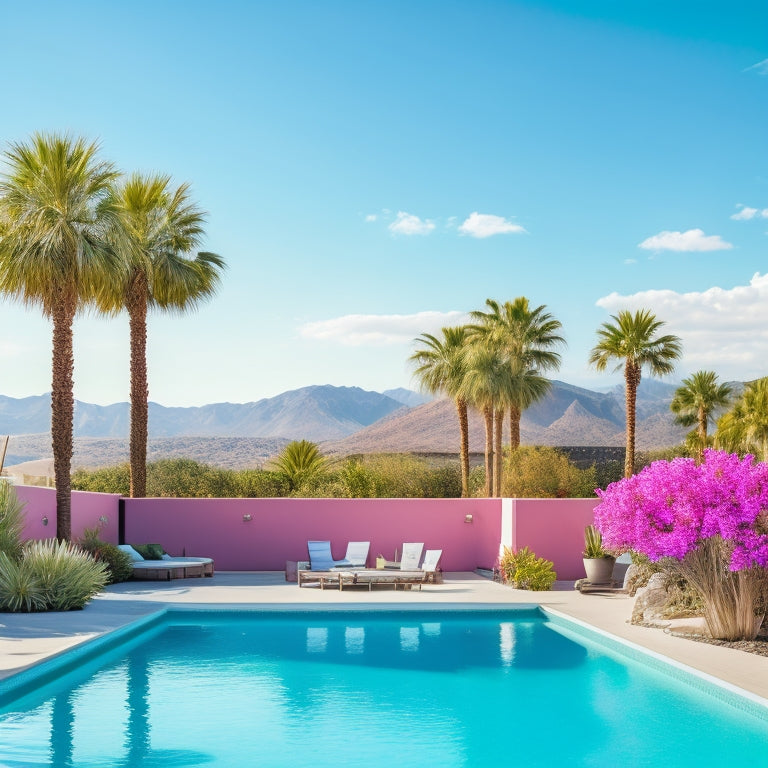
<point x="127" y="548"/>
<point x="166" y="556"/>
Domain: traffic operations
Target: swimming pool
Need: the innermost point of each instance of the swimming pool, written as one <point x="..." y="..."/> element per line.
<point x="367" y="688"/>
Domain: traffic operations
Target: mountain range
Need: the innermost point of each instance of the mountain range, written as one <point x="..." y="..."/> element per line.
<point x="344" y="420"/>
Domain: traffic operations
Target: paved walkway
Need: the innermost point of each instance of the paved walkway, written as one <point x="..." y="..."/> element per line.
<point x="28" y="638"/>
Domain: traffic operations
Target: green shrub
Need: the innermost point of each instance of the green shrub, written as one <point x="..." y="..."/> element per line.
<point x="116" y="479"/>
<point x="119" y="563"/>
<point x="545" y="473"/>
<point x="523" y="570"/>
<point x="20" y="589"/>
<point x="11" y="521"/>
<point x="68" y="576"/>
<point x="259" y="483"/>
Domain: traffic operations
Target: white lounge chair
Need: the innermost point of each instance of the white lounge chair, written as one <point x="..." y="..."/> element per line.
<point x="357" y="555"/>
<point x="409" y="560"/>
<point x="429" y="566"/>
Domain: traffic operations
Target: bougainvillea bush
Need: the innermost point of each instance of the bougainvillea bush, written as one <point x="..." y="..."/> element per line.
<point x="712" y="518"/>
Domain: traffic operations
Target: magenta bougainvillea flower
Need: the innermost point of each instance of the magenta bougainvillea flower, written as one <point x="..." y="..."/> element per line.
<point x="670" y="507"/>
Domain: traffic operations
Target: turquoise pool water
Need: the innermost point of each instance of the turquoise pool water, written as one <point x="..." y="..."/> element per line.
<point x="372" y="689"/>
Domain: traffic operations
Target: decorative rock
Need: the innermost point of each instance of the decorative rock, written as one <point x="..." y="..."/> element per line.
<point x="650" y="602"/>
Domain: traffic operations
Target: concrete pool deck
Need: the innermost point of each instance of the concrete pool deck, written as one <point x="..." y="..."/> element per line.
<point x="27" y="638"/>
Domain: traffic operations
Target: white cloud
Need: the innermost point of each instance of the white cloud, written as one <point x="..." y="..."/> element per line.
<point x="408" y="224"/>
<point x="630" y="261"/>
<point x="379" y="330"/>
<point x="747" y="213"/>
<point x="371" y="217"/>
<point x="486" y="225"/>
<point x="691" y="240"/>
<point x="761" y="67"/>
<point x="723" y="329"/>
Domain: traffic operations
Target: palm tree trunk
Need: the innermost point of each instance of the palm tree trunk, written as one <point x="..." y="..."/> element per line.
<point x="514" y="427"/>
<point x="137" y="312"/>
<point x="488" y="416"/>
<point x="632" y="381"/>
<point x="461" y="408"/>
<point x="497" y="452"/>
<point x="63" y="411"/>
<point x="702" y="419"/>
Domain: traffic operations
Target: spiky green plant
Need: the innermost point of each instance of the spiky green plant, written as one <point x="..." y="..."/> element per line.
<point x="593" y="544"/>
<point x="68" y="576"/>
<point x="11" y="521"/>
<point x="20" y="589"/>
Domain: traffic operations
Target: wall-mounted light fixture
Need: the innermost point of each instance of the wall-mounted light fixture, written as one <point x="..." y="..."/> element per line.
<point x="246" y="518"/>
<point x="45" y="519"/>
<point x="468" y="519"/>
<point x="103" y="519"/>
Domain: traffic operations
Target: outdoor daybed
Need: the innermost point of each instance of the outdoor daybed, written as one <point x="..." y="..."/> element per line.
<point x="166" y="567"/>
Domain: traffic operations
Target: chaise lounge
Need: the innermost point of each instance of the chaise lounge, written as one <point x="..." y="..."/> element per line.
<point x="166" y="567"/>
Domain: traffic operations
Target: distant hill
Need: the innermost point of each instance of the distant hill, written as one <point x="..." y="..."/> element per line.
<point x="311" y="413"/>
<point x="345" y="420"/>
<point x="569" y="415"/>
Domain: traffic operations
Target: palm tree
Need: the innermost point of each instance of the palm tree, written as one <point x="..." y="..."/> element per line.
<point x="54" y="212"/>
<point x="440" y="369"/>
<point x="745" y="427"/>
<point x="528" y="337"/>
<point x="157" y="229"/>
<point x="485" y="385"/>
<point x="632" y="341"/>
<point x="696" y="402"/>
<point x="299" y="461"/>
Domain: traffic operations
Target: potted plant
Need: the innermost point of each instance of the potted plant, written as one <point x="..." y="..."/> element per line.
<point x="598" y="562"/>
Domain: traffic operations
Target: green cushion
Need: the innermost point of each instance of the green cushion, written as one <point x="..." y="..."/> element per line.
<point x="149" y="551"/>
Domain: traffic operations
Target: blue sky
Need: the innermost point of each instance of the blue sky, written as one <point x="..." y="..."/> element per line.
<point x="375" y="170"/>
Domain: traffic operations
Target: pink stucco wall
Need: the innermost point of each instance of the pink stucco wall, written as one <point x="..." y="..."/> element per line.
<point x="554" y="529"/>
<point x="280" y="528"/>
<point x="87" y="509"/>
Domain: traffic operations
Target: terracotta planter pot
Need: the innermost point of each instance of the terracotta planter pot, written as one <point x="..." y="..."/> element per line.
<point x="599" y="570"/>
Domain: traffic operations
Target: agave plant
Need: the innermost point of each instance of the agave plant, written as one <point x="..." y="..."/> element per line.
<point x="11" y="521"/>
<point x="20" y="590"/>
<point x="68" y="576"/>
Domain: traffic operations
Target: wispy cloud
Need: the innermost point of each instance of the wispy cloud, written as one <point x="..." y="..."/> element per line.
<point x="691" y="240"/>
<point x="630" y="261"/>
<point x="747" y="213"/>
<point x="486" y="224"/>
<point x="379" y="330"/>
<point x="408" y="224"/>
<point x="723" y="329"/>
<point x="761" y="67"/>
<point x="371" y="217"/>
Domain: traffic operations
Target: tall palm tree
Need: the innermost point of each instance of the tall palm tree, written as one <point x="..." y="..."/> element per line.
<point x="529" y="337"/>
<point x="440" y="370"/>
<point x="54" y="211"/>
<point x="696" y="402"/>
<point x="485" y="385"/>
<point x="631" y="341"/>
<point x="157" y="229"/>
<point x="745" y="427"/>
